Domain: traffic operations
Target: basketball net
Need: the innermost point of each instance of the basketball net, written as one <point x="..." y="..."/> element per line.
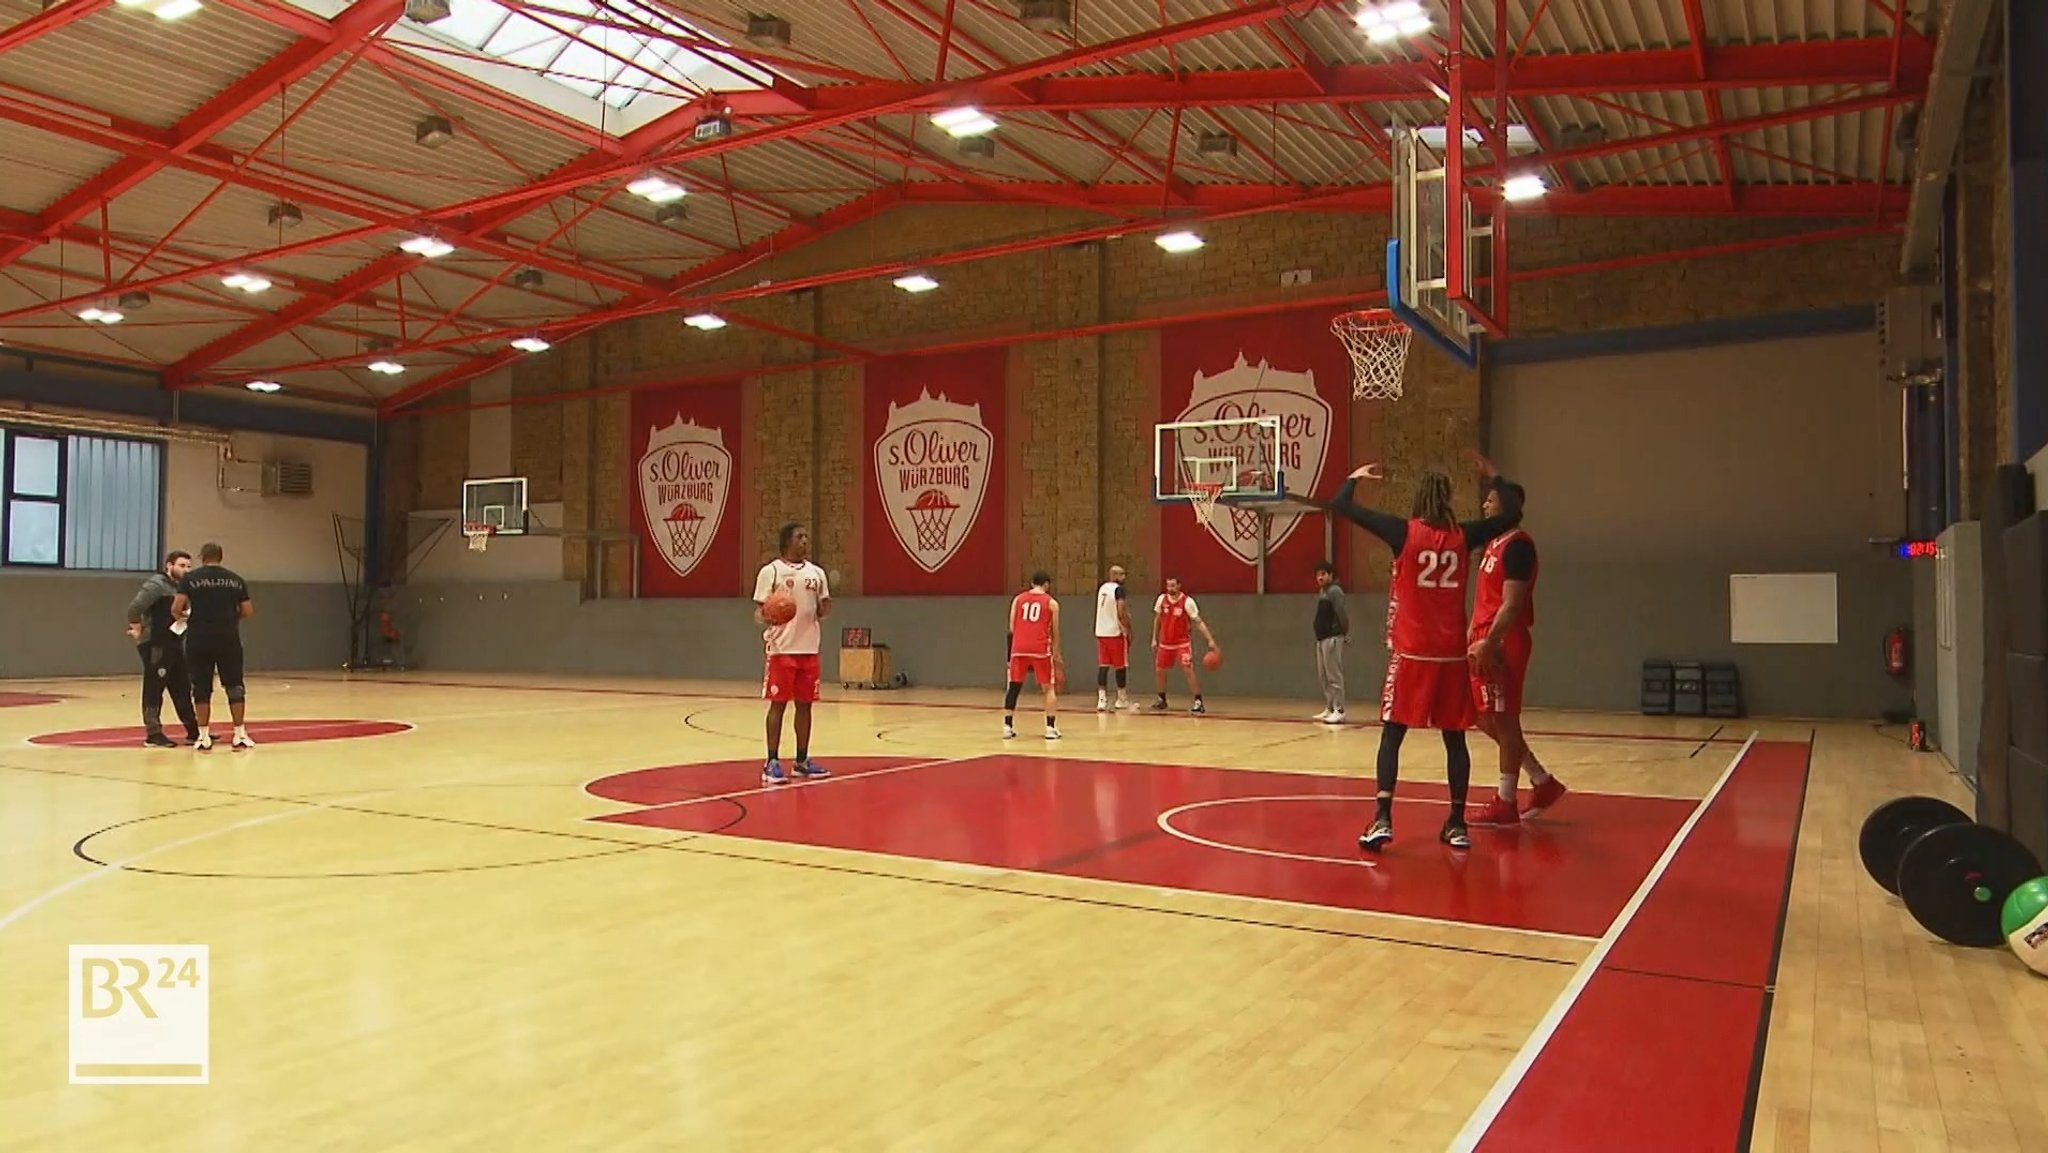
<point x="1377" y="342"/>
<point x="1204" y="495"/>
<point x="479" y="536"/>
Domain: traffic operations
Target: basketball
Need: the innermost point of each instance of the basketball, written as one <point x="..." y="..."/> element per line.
<point x="1212" y="660"/>
<point x="779" y="608"/>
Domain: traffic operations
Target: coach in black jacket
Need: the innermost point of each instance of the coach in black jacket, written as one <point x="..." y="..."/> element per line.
<point x="162" y="649"/>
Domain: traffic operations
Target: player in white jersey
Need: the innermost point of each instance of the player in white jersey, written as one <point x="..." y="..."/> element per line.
<point x="792" y="648"/>
<point x="1112" y="640"/>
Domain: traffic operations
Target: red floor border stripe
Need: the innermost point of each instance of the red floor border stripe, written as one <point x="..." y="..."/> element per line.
<point x="1671" y="1021"/>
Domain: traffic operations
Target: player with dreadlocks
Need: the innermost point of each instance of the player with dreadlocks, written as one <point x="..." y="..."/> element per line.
<point x="1428" y="685"/>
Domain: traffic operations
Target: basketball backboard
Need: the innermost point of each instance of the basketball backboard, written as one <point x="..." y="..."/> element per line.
<point x="1429" y="217"/>
<point x="497" y="502"/>
<point x="1242" y="455"/>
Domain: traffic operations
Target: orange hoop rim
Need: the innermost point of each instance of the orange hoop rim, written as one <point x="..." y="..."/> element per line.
<point x="1367" y="318"/>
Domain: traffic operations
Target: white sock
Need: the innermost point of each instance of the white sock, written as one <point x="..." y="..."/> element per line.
<point x="241" y="730"/>
<point x="1537" y="774"/>
<point x="1507" y="786"/>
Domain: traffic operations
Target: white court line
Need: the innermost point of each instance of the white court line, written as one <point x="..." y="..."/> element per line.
<point x="997" y="871"/>
<point x="316" y="724"/>
<point x="1495" y="1100"/>
<point x="1359" y="862"/>
<point x="794" y="781"/>
<point x="298" y="807"/>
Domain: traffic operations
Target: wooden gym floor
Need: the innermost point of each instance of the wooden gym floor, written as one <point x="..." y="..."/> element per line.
<point x="450" y="913"/>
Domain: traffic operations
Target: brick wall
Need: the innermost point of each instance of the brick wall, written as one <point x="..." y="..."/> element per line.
<point x="1983" y="263"/>
<point x="1085" y="426"/>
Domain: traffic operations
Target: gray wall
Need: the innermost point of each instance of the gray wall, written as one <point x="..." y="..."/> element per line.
<point x="1653" y="477"/>
<point x="69" y="624"/>
<point x="940" y="641"/>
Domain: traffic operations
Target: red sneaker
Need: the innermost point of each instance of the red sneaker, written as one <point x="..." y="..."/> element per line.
<point x="1544" y="797"/>
<point x="1492" y="811"/>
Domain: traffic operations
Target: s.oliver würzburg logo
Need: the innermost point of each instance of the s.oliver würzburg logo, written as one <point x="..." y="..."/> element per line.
<point x="931" y="467"/>
<point x="685" y="483"/>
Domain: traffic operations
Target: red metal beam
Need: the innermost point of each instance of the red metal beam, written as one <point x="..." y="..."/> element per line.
<point x="1288" y="304"/>
<point x="892" y="99"/>
<point x="51" y="18"/>
<point x="1754" y="62"/>
<point x="1867" y="60"/>
<point x="361" y="21"/>
<point x="141" y="143"/>
<point x="1696" y="32"/>
<point x="1701" y="200"/>
<point x="845" y="216"/>
<point x="465" y="222"/>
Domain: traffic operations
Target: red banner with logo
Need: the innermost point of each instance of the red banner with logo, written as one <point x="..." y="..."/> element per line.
<point x="1287" y="366"/>
<point x="934" y="505"/>
<point x="684" y="449"/>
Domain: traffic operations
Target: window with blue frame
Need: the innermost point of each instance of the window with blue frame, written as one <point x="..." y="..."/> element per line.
<point x="79" y="502"/>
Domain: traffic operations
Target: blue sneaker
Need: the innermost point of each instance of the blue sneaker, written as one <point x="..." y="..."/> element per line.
<point x="771" y="773"/>
<point x="811" y="770"/>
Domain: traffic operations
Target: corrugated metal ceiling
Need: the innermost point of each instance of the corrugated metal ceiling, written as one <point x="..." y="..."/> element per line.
<point x="353" y="155"/>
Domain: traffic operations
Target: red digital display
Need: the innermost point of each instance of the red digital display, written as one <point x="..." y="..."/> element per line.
<point x="1914" y="548"/>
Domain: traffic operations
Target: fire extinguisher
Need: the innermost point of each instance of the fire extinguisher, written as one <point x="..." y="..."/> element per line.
<point x="1895" y="652"/>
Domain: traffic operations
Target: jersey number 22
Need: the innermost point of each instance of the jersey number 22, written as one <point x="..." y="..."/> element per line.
<point x="1439" y="570"/>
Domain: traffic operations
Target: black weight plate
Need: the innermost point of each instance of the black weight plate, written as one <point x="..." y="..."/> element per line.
<point x="1892" y="826"/>
<point x="1955" y="879"/>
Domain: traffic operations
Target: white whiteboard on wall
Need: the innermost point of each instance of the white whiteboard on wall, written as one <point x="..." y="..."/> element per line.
<point x="1791" y="608"/>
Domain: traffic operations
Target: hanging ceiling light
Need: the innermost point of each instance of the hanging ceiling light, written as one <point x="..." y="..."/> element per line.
<point x="431" y="247"/>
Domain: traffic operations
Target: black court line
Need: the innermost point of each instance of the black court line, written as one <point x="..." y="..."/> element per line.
<point x="1097" y="852"/>
<point x="1754" y="1089"/>
<point x="1708" y="741"/>
<point x="1211" y="715"/>
<point x="78" y="849"/>
<point x="685" y="844"/>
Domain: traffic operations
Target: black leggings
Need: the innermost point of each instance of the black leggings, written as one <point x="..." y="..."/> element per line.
<point x="1457" y="765"/>
<point x="211" y="655"/>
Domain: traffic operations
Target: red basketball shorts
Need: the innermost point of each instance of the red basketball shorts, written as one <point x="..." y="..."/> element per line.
<point x="1039" y="667"/>
<point x="1113" y="652"/>
<point x="791" y="677"/>
<point x="1167" y="656"/>
<point x="1427" y="694"/>
<point x="1498" y="691"/>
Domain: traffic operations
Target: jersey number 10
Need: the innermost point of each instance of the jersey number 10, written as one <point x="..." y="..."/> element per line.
<point x="1030" y="610"/>
<point x="1439" y="570"/>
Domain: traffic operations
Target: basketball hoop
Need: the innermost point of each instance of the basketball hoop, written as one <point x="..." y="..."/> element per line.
<point x="1203" y="495"/>
<point x="931" y="514"/>
<point x="1378" y="344"/>
<point x="479" y="536"/>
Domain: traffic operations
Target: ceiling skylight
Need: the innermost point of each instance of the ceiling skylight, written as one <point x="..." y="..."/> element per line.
<point x="602" y="51"/>
<point x="611" y="64"/>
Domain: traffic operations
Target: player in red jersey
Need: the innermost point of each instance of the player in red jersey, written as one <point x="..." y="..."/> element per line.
<point x="1503" y="615"/>
<point x="1172" y="614"/>
<point x="1035" y="649"/>
<point x="1427" y="684"/>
